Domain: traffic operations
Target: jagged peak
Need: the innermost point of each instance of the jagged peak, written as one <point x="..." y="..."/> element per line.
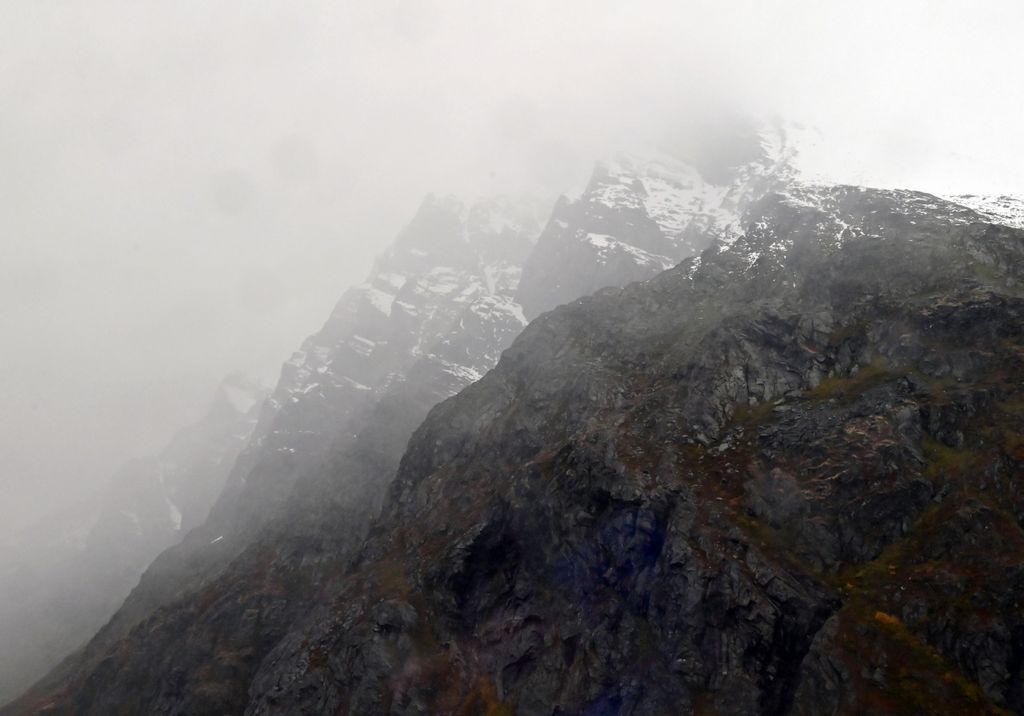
<point x="675" y="190"/>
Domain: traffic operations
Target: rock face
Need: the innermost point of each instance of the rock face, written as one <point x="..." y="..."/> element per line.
<point x="69" y="573"/>
<point x="780" y="477"/>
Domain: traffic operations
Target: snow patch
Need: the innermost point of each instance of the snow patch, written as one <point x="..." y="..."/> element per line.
<point x="693" y="267"/>
<point x="381" y="300"/>
<point x="607" y="246"/>
<point x="355" y="383"/>
<point x="463" y="373"/>
<point x="362" y="346"/>
<point x="1006" y="210"/>
<point x="395" y="280"/>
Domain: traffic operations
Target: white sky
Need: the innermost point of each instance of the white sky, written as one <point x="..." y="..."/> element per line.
<point x="187" y="187"/>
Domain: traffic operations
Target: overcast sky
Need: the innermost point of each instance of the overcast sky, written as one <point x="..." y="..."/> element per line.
<point x="187" y="187"/>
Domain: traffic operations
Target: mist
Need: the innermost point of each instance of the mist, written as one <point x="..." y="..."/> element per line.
<point x="189" y="187"/>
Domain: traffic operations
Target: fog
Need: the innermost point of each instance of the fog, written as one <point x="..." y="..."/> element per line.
<point x="188" y="187"/>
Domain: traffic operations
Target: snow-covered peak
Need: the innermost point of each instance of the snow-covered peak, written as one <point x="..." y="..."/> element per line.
<point x="682" y="195"/>
<point x="1006" y="210"/>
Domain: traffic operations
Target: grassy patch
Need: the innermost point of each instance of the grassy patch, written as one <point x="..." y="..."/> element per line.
<point x="1013" y="445"/>
<point x="912" y="677"/>
<point x="850" y="330"/>
<point x="447" y="691"/>
<point x="1012" y="407"/>
<point x="907" y="674"/>
<point x="750" y="415"/>
<point x="704" y="704"/>
<point x="944" y="461"/>
<point x="317" y="657"/>
<point x="917" y="664"/>
<point x="845" y="389"/>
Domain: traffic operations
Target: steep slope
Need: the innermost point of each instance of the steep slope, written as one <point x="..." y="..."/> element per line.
<point x="69" y="573"/>
<point x="782" y="479"/>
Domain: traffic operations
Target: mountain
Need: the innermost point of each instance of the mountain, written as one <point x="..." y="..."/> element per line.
<point x="747" y="483"/>
<point x="66" y="575"/>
